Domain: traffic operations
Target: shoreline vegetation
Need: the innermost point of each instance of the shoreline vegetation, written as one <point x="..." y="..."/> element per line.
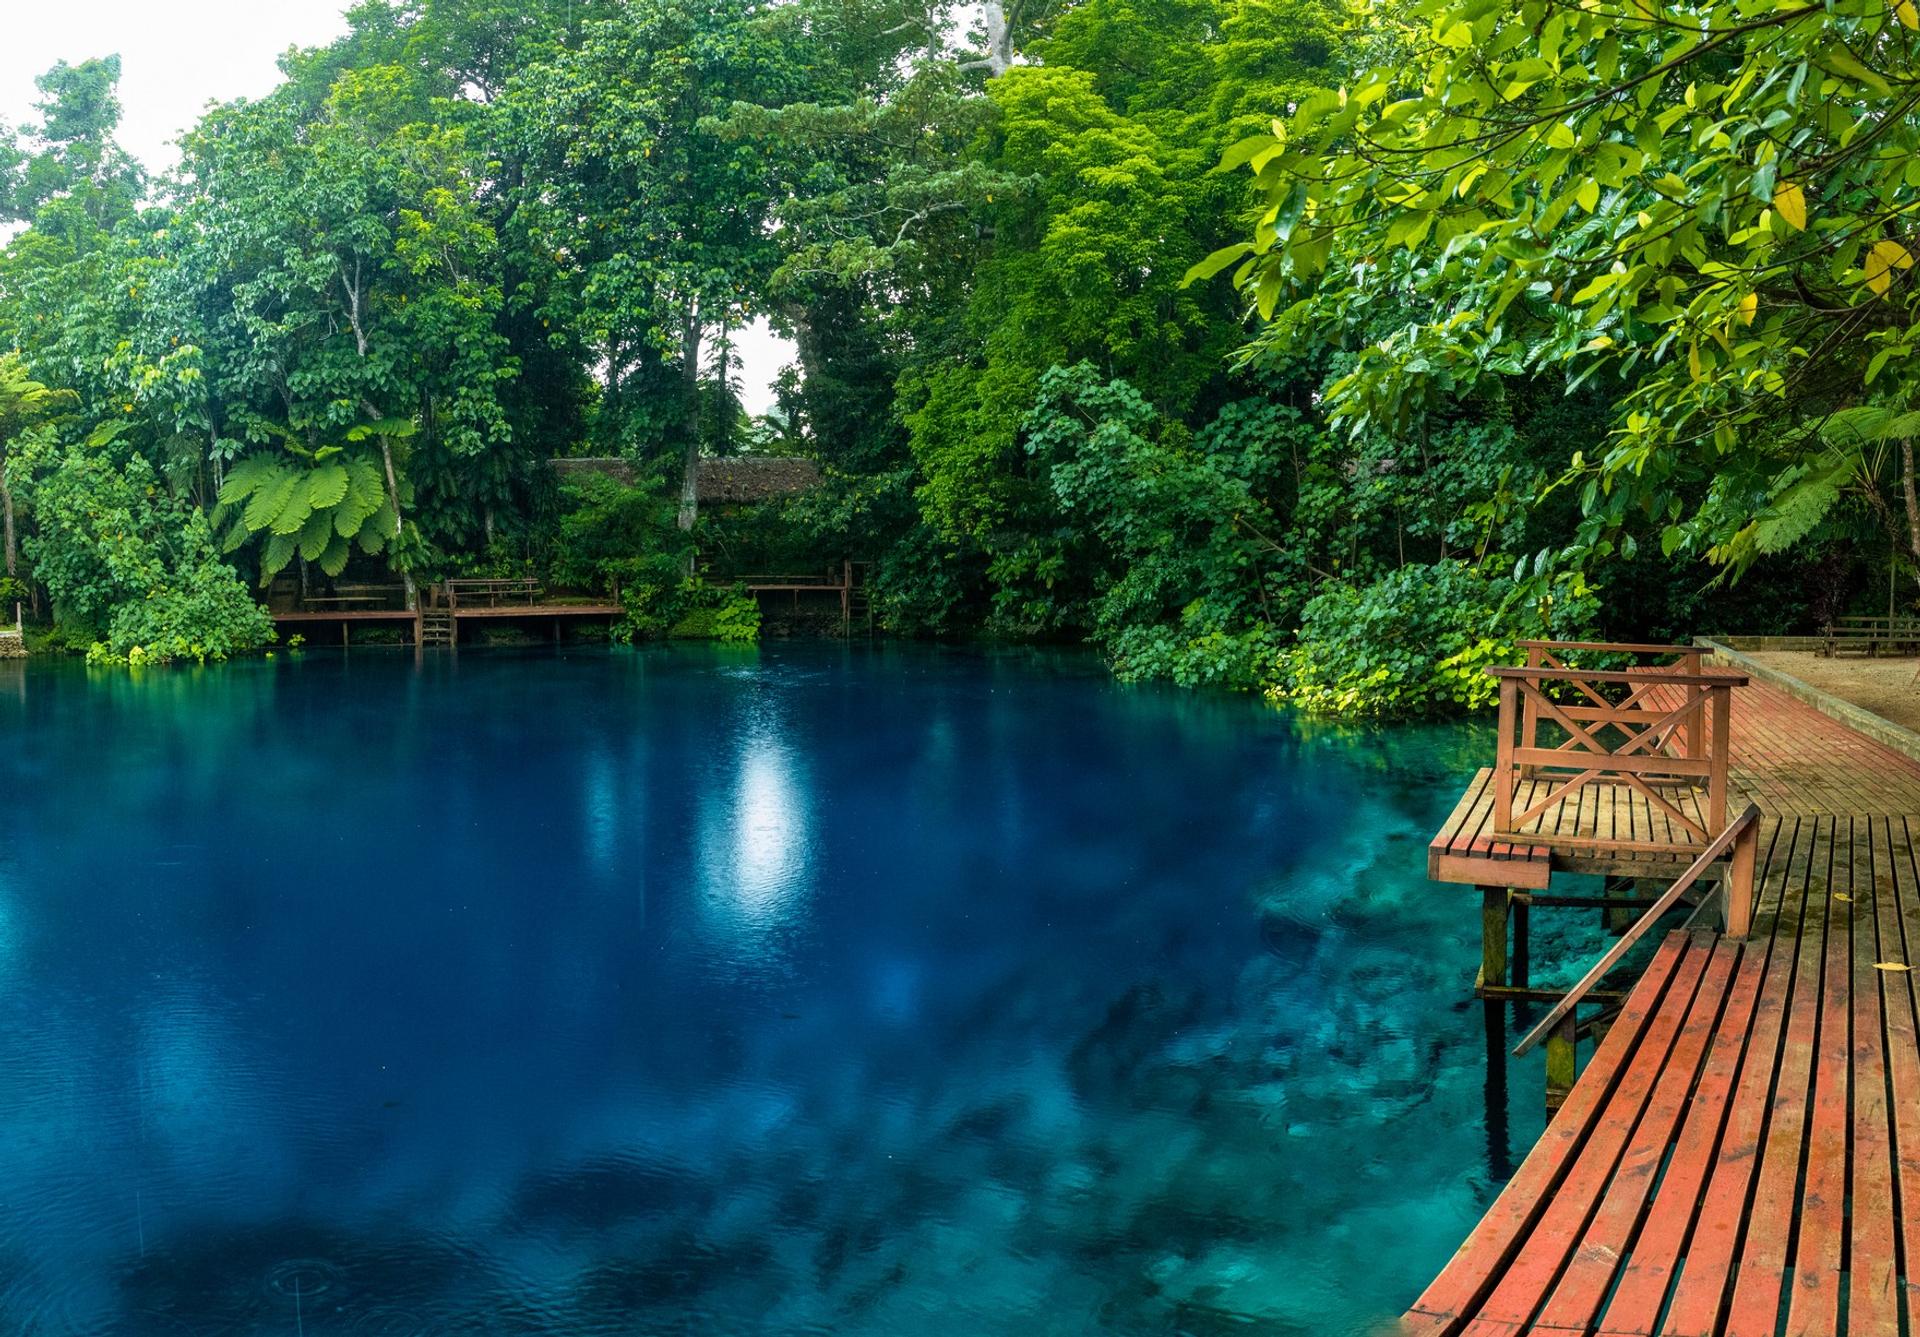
<point x="1291" y="347"/>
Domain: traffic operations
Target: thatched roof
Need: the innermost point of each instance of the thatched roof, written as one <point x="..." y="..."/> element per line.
<point x="610" y="466"/>
<point x="742" y="478"/>
<point x="756" y="477"/>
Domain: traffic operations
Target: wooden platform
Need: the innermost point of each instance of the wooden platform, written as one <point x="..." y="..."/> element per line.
<point x="1785" y="755"/>
<point x="1742" y="1153"/>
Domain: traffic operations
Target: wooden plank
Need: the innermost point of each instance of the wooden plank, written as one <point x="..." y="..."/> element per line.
<point x="1873" y="1304"/>
<point x="1576" y="1300"/>
<point x="1900" y="943"/>
<point x="1454" y="1294"/>
<point x="1700" y="1291"/>
<point x="1814" y="1301"/>
<point x="1530" y="1276"/>
<point x="1754" y="1310"/>
<point x="1649" y="1272"/>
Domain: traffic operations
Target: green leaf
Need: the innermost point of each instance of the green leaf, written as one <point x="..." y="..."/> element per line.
<point x="326" y="486"/>
<point x="1216" y="262"/>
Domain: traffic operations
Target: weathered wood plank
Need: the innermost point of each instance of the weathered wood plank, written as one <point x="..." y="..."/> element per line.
<point x="1456" y="1292"/>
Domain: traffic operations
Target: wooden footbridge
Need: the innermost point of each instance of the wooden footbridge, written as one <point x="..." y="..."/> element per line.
<point x="1741" y="1154"/>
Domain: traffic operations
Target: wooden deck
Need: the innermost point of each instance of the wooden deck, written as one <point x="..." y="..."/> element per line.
<point x="1742" y="1153"/>
<point x="1784" y="755"/>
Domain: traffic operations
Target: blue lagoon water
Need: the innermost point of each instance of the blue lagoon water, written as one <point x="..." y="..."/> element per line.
<point x="804" y="990"/>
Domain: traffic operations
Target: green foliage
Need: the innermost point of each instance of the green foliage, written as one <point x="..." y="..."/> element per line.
<point x="1417" y="642"/>
<point x="1630" y="287"/>
<point x="717" y="613"/>
<point x="612" y="535"/>
<point x="121" y="556"/>
<point x="1169" y="531"/>
<point x="1711" y="211"/>
<point x="315" y="505"/>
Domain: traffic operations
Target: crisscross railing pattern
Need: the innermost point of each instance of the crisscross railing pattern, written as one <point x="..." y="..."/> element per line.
<point x="1623" y="729"/>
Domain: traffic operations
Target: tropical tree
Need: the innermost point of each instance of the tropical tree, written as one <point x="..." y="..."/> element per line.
<point x="1709" y="206"/>
<point x="656" y="224"/>
<point x="24" y="402"/>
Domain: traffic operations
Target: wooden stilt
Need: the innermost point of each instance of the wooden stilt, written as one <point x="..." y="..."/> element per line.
<point x="1522" y="914"/>
<point x="1618" y="919"/>
<point x="1562" y="1060"/>
<point x="1493" y="935"/>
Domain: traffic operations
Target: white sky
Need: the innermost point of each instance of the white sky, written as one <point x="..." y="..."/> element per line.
<point x="178" y="56"/>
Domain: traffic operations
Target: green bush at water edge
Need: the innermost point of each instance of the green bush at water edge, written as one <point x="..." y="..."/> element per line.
<point x="1418" y="641"/>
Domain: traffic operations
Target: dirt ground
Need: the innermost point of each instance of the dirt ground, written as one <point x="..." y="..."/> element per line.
<point x="1885" y="686"/>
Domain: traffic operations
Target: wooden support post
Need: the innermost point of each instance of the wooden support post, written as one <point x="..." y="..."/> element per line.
<point x="1737" y="896"/>
<point x="346" y="634"/>
<point x="1493" y="935"/>
<point x="1522" y="913"/>
<point x="1617" y="920"/>
<point x="1693" y="732"/>
<point x="1503" y="756"/>
<point x="1721" y="700"/>
<point x="1529" y="712"/>
<point x="1562" y="1060"/>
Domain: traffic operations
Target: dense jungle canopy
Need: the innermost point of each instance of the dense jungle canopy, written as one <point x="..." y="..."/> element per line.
<point x="1286" y="344"/>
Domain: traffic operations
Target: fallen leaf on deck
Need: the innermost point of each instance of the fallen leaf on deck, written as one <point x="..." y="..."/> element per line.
<point x="1891" y="965"/>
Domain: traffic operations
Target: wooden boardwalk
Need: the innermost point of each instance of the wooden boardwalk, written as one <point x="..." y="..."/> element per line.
<point x="1742" y="1153"/>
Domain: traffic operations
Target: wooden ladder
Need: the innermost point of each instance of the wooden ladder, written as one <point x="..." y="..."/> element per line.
<point x="436" y="626"/>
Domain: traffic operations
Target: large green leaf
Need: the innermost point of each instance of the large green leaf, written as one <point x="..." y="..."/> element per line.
<point x="326" y="485"/>
<point x="366" y="493"/>
<point x="270" y="499"/>
<point x="247" y="477"/>
<point x="377" y="530"/>
<point x="314" y="535"/>
<point x="280" y="550"/>
<point x="334" y="560"/>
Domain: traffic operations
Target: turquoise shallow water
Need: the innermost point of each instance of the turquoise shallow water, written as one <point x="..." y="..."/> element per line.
<point x="799" y="990"/>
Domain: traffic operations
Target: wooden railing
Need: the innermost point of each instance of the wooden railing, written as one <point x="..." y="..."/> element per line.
<point x="1622" y="729"/>
<point x="492" y="593"/>
<point x="1740" y="837"/>
<point x="390" y="595"/>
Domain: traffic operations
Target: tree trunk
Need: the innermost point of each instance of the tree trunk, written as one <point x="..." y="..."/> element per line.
<point x="999" y="38"/>
<point x="1912" y="498"/>
<point x="6" y="507"/>
<point x="355" y="300"/>
<point x="690" y="383"/>
<point x="399" y="525"/>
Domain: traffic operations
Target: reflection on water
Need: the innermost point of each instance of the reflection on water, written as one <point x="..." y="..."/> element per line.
<point x="804" y="990"/>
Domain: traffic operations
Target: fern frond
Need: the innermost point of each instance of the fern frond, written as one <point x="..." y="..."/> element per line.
<point x="315" y="535"/>
<point x="280" y="550"/>
<point x="326" y="485"/>
<point x="366" y="492"/>
<point x="248" y="476"/>
<point x="334" y="560"/>
<point x="376" y="531"/>
<point x="270" y="499"/>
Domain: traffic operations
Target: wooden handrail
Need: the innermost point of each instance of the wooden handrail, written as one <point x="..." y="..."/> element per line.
<point x="1645" y="675"/>
<point x="1615" y="647"/>
<point x="1708" y="856"/>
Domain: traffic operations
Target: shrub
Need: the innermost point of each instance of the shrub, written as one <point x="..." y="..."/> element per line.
<point x="1418" y="641"/>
